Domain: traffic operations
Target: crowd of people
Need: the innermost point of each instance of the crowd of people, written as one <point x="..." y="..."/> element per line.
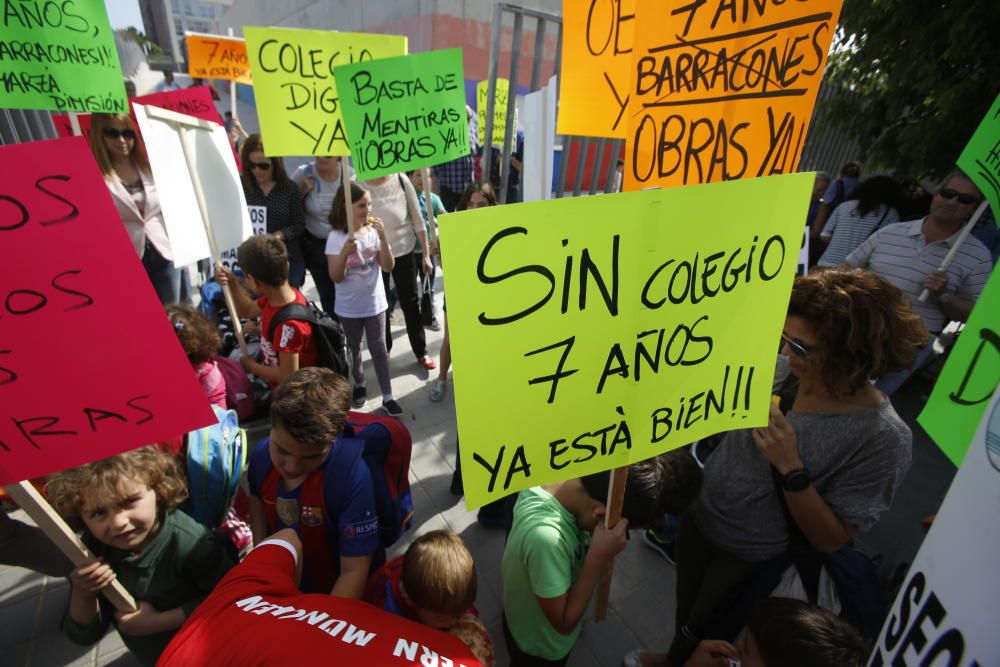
<point x="755" y="520"/>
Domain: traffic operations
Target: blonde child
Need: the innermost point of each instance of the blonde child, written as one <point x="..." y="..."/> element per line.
<point x="126" y="506"/>
<point x="434" y="583"/>
<point x="356" y="265"/>
<point x="200" y="340"/>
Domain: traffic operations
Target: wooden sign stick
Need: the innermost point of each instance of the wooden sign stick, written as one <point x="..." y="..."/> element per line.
<point x="959" y="242"/>
<point x="345" y="183"/>
<point x="38" y="508"/>
<point x="184" y="125"/>
<point x="616" y="498"/>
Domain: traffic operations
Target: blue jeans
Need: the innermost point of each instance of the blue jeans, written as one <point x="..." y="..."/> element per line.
<point x="171" y="284"/>
<point x="889" y="383"/>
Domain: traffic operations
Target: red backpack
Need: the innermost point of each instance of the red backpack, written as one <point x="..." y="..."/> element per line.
<point x="239" y="391"/>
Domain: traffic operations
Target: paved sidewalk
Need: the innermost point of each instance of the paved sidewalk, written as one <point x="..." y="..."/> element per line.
<point x="642" y="608"/>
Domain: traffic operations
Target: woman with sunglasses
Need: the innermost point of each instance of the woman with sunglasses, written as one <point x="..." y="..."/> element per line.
<point x="836" y="457"/>
<point x="266" y="183"/>
<point x="121" y="155"/>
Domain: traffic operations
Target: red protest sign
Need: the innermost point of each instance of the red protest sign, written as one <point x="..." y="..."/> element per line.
<point x="195" y="102"/>
<point x="89" y="366"/>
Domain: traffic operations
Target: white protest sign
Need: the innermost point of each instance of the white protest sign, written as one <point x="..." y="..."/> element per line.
<point x="539" y="142"/>
<point x="945" y="613"/>
<point x="225" y="203"/>
<point x="258" y="224"/>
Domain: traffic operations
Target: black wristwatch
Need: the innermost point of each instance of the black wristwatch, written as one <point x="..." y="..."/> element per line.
<point x="796" y="480"/>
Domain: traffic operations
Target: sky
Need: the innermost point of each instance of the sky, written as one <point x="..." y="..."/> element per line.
<point x="124" y="13"/>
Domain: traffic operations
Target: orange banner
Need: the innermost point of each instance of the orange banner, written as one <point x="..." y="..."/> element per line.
<point x="596" y="67"/>
<point x="723" y="90"/>
<point x="218" y="57"/>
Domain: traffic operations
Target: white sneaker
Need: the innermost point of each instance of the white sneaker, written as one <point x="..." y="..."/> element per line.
<point x="438" y="390"/>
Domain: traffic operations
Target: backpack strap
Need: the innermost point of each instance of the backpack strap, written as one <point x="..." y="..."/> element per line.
<point x="881" y="221"/>
<point x="291" y="311"/>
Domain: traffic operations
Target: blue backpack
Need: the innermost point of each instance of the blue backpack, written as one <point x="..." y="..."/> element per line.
<point x="216" y="459"/>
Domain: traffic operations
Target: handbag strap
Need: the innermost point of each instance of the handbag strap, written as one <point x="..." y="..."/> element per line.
<point x="880" y="221"/>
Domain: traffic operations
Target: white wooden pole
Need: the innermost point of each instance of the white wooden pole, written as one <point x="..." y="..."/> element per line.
<point x="958" y="243"/>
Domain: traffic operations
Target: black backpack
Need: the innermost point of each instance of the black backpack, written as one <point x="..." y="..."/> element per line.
<point x="331" y="344"/>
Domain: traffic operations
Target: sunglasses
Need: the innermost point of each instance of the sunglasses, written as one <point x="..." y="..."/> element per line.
<point x="963" y="197"/>
<point x="798" y="349"/>
<point x="115" y="133"/>
<point x="263" y="166"/>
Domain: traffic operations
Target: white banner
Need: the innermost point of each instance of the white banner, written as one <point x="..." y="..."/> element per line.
<point x="227" y="207"/>
<point x="258" y="222"/>
<point x="539" y="142"/>
<point x="946" y="611"/>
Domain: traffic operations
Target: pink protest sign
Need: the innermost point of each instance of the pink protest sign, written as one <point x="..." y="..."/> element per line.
<point x="89" y="365"/>
<point x="195" y="102"/>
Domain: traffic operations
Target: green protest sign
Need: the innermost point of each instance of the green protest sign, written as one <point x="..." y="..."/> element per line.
<point x="981" y="158"/>
<point x="404" y="113"/>
<point x="59" y="56"/>
<point x="964" y="388"/>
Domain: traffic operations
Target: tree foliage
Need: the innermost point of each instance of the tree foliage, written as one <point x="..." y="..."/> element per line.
<point x="914" y="79"/>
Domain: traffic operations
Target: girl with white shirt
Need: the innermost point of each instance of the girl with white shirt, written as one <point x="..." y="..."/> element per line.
<point x="356" y="265"/>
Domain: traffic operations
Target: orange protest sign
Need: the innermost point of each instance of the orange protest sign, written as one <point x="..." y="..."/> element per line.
<point x="723" y="90"/>
<point x="596" y="67"/>
<point x="217" y="57"/>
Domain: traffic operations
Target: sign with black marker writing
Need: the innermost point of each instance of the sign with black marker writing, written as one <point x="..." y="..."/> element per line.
<point x="66" y="405"/>
<point x="404" y="113"/>
<point x="59" y="56"/>
<point x="591" y="332"/>
<point x="945" y="613"/>
<point x="297" y="99"/>
<point x="596" y="71"/>
<point x="723" y="90"/>
<point x="217" y="57"/>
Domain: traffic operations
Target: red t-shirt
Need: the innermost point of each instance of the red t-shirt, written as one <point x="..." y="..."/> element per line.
<point x="257" y="616"/>
<point x="289" y="336"/>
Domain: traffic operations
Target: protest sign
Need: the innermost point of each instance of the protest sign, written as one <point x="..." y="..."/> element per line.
<point x="499" y="110"/>
<point x="297" y="100"/>
<point x="66" y="405"/>
<point x="59" y="56"/>
<point x="404" y="113"/>
<point x="217" y="57"/>
<point x="723" y="90"/>
<point x="591" y="332"/>
<point x="981" y="158"/>
<point x="596" y="71"/>
<point x="945" y="613"/>
<point x="803" y="267"/>
<point x="968" y="379"/>
<point x="258" y="225"/>
<point x="195" y="102"/>
<point x="224" y="199"/>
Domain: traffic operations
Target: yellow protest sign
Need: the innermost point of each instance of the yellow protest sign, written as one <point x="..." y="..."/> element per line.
<point x="499" y="110"/>
<point x="723" y="90"/>
<point x="596" y="70"/>
<point x="591" y="332"/>
<point x="217" y="57"/>
<point x="297" y="101"/>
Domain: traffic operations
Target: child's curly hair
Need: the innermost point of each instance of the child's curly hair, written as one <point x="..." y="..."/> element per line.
<point x="198" y="336"/>
<point x="71" y="490"/>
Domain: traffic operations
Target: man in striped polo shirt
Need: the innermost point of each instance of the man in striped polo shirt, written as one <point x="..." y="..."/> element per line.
<point x="908" y="254"/>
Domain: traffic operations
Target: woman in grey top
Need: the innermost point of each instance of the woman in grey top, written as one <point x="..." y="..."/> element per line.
<point x="840" y="453"/>
<point x="319" y="183"/>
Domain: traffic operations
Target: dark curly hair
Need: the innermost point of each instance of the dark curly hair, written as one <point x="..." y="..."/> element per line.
<point x="865" y="326"/>
<point x="198" y="336"/>
<point x="72" y="491"/>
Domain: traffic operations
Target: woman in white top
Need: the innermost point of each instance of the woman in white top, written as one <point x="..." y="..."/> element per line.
<point x="121" y="155"/>
<point x="395" y="201"/>
<point x="319" y="183"/>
